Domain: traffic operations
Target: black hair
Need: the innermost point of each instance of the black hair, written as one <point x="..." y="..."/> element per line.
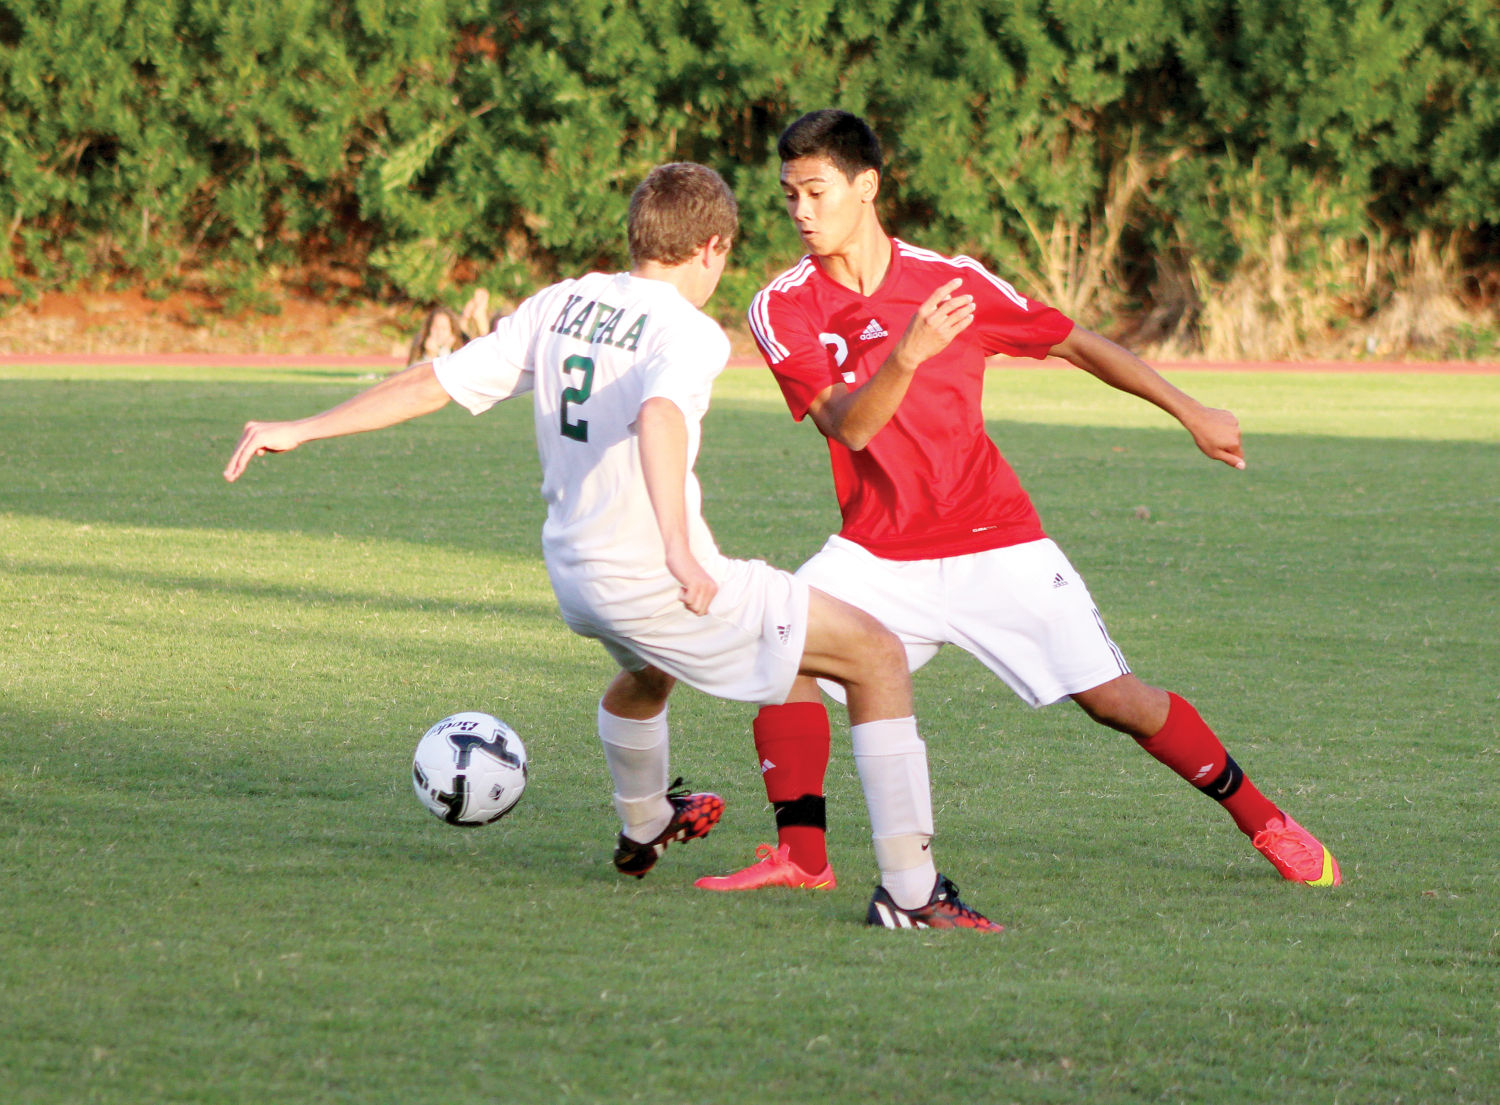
<point x="839" y="137"/>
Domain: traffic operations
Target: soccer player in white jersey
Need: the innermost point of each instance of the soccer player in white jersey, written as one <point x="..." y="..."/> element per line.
<point x="620" y="367"/>
<point x="883" y="345"/>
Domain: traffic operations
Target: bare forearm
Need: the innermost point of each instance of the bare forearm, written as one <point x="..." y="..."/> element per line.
<point x="404" y="396"/>
<point x="399" y="398"/>
<point x="664" y="465"/>
<point x="1123" y="370"/>
<point x="663" y="443"/>
<point x="1216" y="432"/>
<point x="852" y="418"/>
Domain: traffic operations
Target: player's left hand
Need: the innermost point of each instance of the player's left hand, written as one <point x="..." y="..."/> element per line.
<point x="1217" y="433"/>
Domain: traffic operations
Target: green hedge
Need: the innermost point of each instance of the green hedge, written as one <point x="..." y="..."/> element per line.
<point x="1101" y="153"/>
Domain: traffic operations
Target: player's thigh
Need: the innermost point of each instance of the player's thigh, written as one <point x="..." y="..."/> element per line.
<point x="904" y="596"/>
<point x="844" y="642"/>
<point x="748" y="647"/>
<point x="1027" y="615"/>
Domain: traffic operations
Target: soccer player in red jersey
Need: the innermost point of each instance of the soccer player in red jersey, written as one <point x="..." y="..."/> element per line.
<point x="619" y="368"/>
<point x="883" y="345"/>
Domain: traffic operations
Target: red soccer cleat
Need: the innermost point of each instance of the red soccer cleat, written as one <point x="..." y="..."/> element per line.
<point x="773" y="867"/>
<point x="1297" y="854"/>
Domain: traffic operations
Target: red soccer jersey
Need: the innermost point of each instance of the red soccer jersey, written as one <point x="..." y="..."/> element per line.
<point x="931" y="483"/>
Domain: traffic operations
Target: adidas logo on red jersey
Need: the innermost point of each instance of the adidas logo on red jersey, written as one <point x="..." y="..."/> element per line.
<point x="873" y="331"/>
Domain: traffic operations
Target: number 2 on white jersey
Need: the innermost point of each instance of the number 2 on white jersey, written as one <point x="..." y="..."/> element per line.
<point x="578" y="429"/>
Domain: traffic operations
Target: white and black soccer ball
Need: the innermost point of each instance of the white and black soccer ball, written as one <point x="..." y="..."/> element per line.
<point x="469" y="769"/>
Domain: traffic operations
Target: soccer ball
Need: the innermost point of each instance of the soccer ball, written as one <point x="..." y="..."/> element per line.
<point x="469" y="769"/>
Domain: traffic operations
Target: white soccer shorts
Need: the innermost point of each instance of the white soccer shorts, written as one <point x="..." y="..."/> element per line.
<point x="1023" y="611"/>
<point x="748" y="647"/>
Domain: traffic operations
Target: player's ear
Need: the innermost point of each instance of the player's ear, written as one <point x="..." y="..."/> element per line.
<point x="867" y="185"/>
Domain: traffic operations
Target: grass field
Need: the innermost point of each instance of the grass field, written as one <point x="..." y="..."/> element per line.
<point x="218" y="886"/>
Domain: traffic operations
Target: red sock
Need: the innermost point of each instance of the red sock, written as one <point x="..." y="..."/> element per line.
<point x="1188" y="746"/>
<point x="792" y="741"/>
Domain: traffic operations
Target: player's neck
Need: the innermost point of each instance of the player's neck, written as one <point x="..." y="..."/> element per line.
<point x="679" y="276"/>
<point x="862" y="262"/>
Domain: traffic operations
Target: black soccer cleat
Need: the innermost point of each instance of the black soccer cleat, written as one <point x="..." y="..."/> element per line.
<point x="942" y="911"/>
<point x="693" y="816"/>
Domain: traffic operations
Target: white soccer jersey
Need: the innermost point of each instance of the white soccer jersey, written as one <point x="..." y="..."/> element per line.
<point x="592" y="350"/>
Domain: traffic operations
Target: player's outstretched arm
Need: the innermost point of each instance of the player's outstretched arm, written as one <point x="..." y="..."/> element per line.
<point x="397" y="398"/>
<point x="664" y="450"/>
<point x="1216" y="432"/>
<point x="852" y="418"/>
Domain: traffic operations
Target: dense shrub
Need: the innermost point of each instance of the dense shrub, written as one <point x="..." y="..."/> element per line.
<point x="147" y="138"/>
<point x="1206" y="167"/>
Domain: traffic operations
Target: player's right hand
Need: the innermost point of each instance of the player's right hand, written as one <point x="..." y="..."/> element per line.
<point x="258" y="439"/>
<point x="698" y="587"/>
<point x="698" y="596"/>
<point x="941" y="318"/>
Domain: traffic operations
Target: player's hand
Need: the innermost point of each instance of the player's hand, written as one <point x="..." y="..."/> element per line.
<point x="1217" y="434"/>
<point x="698" y="587"/>
<point x="698" y="596"/>
<point x="941" y="318"/>
<point x="258" y="439"/>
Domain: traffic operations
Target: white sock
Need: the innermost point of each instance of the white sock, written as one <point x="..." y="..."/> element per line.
<point x="636" y="752"/>
<point x="892" y="762"/>
<point x="912" y="888"/>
